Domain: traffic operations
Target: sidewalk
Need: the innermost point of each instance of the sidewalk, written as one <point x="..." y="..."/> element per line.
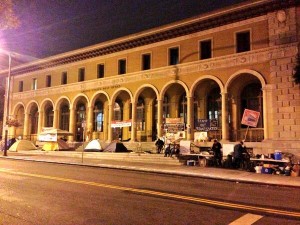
<point x="192" y="171"/>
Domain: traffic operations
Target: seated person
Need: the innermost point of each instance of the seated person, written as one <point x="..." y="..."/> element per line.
<point x="175" y="150"/>
<point x="168" y="151"/>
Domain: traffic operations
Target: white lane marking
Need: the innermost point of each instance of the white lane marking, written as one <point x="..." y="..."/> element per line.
<point x="247" y="219"/>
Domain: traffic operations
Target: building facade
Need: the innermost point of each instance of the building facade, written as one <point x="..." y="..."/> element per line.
<point x="211" y="67"/>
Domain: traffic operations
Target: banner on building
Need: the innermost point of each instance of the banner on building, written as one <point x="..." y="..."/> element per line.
<point x="207" y="124"/>
<point x="250" y="118"/>
<point x="118" y="123"/>
<point x="174" y="125"/>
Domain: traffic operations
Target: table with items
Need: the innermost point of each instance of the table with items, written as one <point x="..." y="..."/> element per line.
<point x="271" y="166"/>
<point x="201" y="158"/>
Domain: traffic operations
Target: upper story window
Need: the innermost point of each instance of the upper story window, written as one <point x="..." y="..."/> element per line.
<point x="173" y="56"/>
<point x="48" y="81"/>
<point x="100" y="70"/>
<point x="64" y="78"/>
<point x="205" y="49"/>
<point x="81" y="74"/>
<point x="34" y="84"/>
<point x="21" y="86"/>
<point x="146" y="61"/>
<point x="243" y="41"/>
<point x="122" y="66"/>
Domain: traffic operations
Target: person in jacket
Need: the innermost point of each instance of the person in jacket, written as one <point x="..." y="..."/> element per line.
<point x="217" y="150"/>
<point x="238" y="151"/>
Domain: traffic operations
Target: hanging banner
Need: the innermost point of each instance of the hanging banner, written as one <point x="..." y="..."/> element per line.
<point x="250" y="118"/>
<point x="207" y="124"/>
<point x="174" y="125"/>
<point x="117" y="123"/>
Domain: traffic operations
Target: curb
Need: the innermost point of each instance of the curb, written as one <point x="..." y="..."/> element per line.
<point x="157" y="171"/>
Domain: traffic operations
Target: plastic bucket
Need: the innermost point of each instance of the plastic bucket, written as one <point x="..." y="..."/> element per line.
<point x="258" y="169"/>
<point x="278" y="155"/>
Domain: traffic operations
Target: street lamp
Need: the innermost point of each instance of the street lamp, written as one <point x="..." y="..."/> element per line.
<point x="7" y="103"/>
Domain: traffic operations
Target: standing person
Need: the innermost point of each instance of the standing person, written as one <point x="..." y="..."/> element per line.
<point x="216" y="148"/>
<point x="238" y="151"/>
<point x="159" y="145"/>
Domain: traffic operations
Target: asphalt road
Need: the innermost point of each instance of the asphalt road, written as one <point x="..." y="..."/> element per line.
<point x="45" y="193"/>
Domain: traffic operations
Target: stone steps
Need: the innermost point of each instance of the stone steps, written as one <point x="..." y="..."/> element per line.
<point x="129" y="157"/>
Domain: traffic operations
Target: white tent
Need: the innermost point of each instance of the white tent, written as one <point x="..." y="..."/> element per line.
<point x="94" y="146"/>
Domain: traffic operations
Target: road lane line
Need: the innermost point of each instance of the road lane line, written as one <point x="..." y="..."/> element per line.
<point x="247" y="219"/>
<point x="162" y="194"/>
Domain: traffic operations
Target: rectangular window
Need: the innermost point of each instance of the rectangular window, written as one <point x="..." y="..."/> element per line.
<point x="100" y="71"/>
<point x="81" y="74"/>
<point x="243" y="41"/>
<point x="64" y="78"/>
<point x="21" y="85"/>
<point x="146" y="61"/>
<point x="205" y="49"/>
<point x="48" y="81"/>
<point x="34" y="84"/>
<point x="122" y="66"/>
<point x="173" y="56"/>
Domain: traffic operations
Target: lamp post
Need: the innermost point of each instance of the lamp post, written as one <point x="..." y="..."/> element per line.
<point x="7" y="103"/>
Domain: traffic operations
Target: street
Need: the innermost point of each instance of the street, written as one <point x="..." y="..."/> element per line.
<point x="46" y="193"/>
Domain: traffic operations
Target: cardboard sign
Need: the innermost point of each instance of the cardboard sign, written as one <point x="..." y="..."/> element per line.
<point x="207" y="124"/>
<point x="250" y="118"/>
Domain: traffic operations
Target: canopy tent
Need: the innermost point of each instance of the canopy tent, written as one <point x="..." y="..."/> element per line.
<point x="116" y="147"/>
<point x="51" y="134"/>
<point x="22" y="145"/>
<point x="56" y="131"/>
<point x="56" y="146"/>
<point x="95" y="146"/>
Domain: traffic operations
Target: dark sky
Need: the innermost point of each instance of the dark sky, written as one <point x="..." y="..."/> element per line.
<point x="50" y="27"/>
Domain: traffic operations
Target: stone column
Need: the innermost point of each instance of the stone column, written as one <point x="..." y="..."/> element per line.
<point x="225" y="126"/>
<point x="110" y="117"/>
<point x="55" y="119"/>
<point x="133" y="122"/>
<point x="190" y="118"/>
<point x="266" y="111"/>
<point x="26" y="126"/>
<point x="41" y="121"/>
<point x="89" y="121"/>
<point x="106" y="122"/>
<point x="159" y="117"/>
<point x="72" y="124"/>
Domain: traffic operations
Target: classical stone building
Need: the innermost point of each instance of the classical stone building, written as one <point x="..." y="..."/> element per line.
<point x="212" y="67"/>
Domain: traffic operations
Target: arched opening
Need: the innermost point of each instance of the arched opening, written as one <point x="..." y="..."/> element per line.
<point x="64" y="117"/>
<point x="49" y="116"/>
<point x="34" y="118"/>
<point x="98" y="117"/>
<point x="80" y="120"/>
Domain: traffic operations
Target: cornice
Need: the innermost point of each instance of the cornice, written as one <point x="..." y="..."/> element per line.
<point x="104" y="84"/>
<point x="238" y="13"/>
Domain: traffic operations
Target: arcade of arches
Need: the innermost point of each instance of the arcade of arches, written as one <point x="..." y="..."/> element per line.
<point x="148" y="107"/>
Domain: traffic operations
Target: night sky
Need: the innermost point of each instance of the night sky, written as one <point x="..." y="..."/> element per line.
<point x="50" y="27"/>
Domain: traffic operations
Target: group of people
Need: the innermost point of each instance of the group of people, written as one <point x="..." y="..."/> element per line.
<point x="240" y="154"/>
<point x="170" y="150"/>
